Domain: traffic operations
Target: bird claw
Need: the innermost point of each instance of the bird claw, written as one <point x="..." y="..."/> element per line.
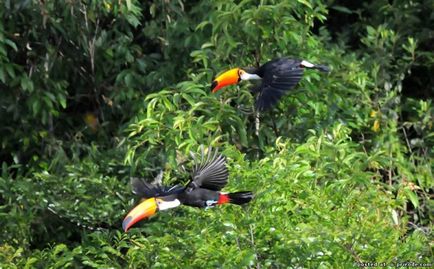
<point x="246" y="111"/>
<point x="210" y="204"/>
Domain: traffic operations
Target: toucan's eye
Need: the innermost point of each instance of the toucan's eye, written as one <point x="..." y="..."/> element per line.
<point x="240" y="73"/>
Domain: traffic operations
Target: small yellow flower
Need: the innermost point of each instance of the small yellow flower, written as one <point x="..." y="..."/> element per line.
<point x="91" y="121"/>
<point x="376" y="126"/>
<point x="108" y="6"/>
<point x="374" y="165"/>
<point x="373" y="113"/>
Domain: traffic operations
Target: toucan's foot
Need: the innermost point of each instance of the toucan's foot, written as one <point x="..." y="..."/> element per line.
<point x="246" y="111"/>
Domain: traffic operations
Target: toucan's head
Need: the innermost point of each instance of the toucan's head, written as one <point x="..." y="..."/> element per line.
<point x="146" y="209"/>
<point x="231" y="77"/>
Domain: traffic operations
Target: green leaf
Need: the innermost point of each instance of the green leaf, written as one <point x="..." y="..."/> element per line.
<point x="342" y="9"/>
<point x="207" y="45"/>
<point x="27" y="84"/>
<point x="202" y="25"/>
<point x="413" y="197"/>
<point x="188" y="98"/>
<point x="30" y="262"/>
<point x="62" y="101"/>
<point x="11" y="44"/>
<point x="2" y="75"/>
<point x="305" y="2"/>
<point x="128" y="4"/>
<point x="10" y="70"/>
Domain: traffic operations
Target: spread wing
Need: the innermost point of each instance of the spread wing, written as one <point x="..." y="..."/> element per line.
<point x="147" y="190"/>
<point x="278" y="77"/>
<point x="209" y="171"/>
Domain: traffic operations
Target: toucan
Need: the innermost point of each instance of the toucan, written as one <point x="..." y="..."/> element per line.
<point x="277" y="78"/>
<point x="209" y="175"/>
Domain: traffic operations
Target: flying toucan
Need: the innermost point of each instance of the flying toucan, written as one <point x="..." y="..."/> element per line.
<point x="208" y="177"/>
<point x="277" y="78"/>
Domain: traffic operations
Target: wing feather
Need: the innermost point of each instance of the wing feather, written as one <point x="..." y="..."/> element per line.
<point x="148" y="190"/>
<point x="210" y="171"/>
<point x="279" y="76"/>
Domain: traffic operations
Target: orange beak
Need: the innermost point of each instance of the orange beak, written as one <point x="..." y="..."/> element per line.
<point x="144" y="210"/>
<point x="230" y="77"/>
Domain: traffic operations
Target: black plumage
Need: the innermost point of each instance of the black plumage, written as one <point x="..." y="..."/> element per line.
<point x="147" y="190"/>
<point x="210" y="172"/>
<point x="208" y="177"/>
<point x="278" y="77"/>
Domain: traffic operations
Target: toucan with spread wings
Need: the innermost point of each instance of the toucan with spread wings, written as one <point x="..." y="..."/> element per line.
<point x="208" y="177"/>
<point x="277" y="78"/>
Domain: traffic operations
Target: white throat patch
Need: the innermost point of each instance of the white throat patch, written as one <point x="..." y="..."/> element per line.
<point x="307" y="64"/>
<point x="247" y="76"/>
<point x="164" y="205"/>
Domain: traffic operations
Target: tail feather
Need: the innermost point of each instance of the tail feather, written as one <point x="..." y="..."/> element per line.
<point x="240" y="198"/>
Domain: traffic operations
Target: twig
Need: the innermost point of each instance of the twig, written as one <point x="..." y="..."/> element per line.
<point x="406" y="139"/>
<point x="363" y="144"/>
<point x="390" y="176"/>
<point x="349" y="248"/>
<point x="276" y="132"/>
<point x="257" y="123"/>
<point x="91" y="48"/>
<point x="252" y="241"/>
<point x="238" y="243"/>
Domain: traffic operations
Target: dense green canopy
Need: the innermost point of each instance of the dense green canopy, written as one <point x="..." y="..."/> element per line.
<point x="95" y="92"/>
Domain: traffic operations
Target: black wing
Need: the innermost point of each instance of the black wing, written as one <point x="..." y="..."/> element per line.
<point x="210" y="171"/>
<point x="278" y="77"/>
<point x="147" y="190"/>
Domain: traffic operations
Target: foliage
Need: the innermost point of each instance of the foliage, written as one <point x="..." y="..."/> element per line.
<point x="95" y="92"/>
